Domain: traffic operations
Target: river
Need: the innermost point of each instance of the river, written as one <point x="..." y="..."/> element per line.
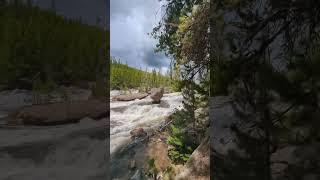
<point x="70" y="151"/>
<point x="73" y="151"/>
<point x="126" y="116"/>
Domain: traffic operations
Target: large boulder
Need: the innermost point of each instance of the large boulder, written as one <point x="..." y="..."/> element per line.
<point x="60" y="113"/>
<point x="157" y="149"/>
<point x="130" y="97"/>
<point x="156" y="94"/>
<point x="198" y="165"/>
<point x="138" y="132"/>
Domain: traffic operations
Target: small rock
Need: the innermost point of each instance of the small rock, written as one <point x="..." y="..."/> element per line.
<point x="138" y="132"/>
<point x="132" y="164"/>
<point x="163" y="139"/>
<point x="156" y="94"/>
<point x="137" y="175"/>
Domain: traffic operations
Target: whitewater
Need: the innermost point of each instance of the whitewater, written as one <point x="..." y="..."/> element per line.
<point x="63" y="151"/>
<point x="125" y="116"/>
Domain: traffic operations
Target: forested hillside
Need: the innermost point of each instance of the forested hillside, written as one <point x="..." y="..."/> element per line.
<point x="126" y="77"/>
<point x="35" y="43"/>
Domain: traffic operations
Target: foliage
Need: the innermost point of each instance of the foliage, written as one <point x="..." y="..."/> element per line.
<point x="167" y="174"/>
<point x="262" y="54"/>
<point x="43" y="87"/>
<point x="167" y="28"/>
<point x="34" y="41"/>
<point x="189" y="125"/>
<point x="182" y="147"/>
<point x="151" y="168"/>
<point x="183" y="35"/>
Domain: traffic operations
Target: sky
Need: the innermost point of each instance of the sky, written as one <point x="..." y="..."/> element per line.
<point x="130" y="23"/>
<point x="88" y="10"/>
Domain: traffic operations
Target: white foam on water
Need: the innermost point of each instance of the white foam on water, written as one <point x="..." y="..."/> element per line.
<point x="125" y="116"/>
<point x="85" y="156"/>
<point x="71" y="155"/>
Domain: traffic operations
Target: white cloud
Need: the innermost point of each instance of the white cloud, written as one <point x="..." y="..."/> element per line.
<point x="131" y="21"/>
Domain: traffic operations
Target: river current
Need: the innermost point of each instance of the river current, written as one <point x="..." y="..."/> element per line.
<point x="125" y="116"/>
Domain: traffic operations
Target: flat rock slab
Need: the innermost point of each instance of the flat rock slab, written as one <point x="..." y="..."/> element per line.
<point x="59" y="113"/>
<point x="130" y="97"/>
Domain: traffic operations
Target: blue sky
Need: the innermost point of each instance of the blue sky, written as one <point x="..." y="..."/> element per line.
<point x="130" y="23"/>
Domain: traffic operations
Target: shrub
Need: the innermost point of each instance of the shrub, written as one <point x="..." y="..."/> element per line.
<point x="182" y="146"/>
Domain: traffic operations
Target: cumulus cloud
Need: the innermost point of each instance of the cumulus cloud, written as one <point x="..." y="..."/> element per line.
<point x="154" y="59"/>
<point x="130" y="23"/>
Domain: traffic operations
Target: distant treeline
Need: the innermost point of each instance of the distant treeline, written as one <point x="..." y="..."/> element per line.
<point x="36" y="43"/>
<point x="126" y="77"/>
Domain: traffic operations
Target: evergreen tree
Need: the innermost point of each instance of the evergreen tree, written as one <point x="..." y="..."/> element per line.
<point x="123" y="76"/>
<point x="183" y="35"/>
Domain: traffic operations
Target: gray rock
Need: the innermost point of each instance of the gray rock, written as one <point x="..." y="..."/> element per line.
<point x="138" y="132"/>
<point x="132" y="164"/>
<point x="59" y="113"/>
<point x="156" y="94"/>
<point x="137" y="175"/>
<point x="130" y="97"/>
<point x="198" y="165"/>
<point x="114" y="93"/>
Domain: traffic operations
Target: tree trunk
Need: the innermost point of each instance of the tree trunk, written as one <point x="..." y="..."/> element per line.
<point x="267" y="121"/>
